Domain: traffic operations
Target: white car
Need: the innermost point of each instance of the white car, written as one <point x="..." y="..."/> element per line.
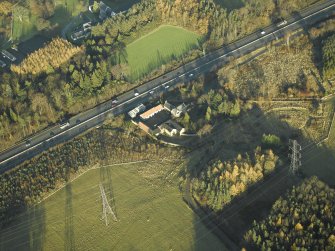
<point x="263" y="32"/>
<point x="114" y="102"/>
<point x="166" y="86"/>
<point x="191" y="75"/>
<point x="64" y="125"/>
<point x="151" y="92"/>
<point x="136" y="93"/>
<point x="28" y="143"/>
<point x="282" y="23"/>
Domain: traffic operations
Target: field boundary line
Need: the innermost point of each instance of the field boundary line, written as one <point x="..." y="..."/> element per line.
<point x="330" y="129"/>
<point x="94" y="167"/>
<point x="158" y="28"/>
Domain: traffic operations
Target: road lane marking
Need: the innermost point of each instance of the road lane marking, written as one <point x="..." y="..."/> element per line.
<point x="146" y="92"/>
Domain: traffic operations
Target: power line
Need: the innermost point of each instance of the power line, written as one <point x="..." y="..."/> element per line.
<point x="106" y="209"/>
<point x="295" y="156"/>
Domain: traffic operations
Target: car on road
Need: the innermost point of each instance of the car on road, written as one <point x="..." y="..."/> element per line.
<point x="151" y="92"/>
<point x="64" y="125"/>
<point x="136" y="93"/>
<point x="282" y="23"/>
<point x="166" y="86"/>
<point x="28" y="143"/>
<point x="263" y="32"/>
<point x="114" y="102"/>
<point x="191" y="75"/>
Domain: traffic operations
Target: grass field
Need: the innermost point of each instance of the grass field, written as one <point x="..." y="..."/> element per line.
<point x="73" y="7"/>
<point x="230" y="4"/>
<point x="120" y="5"/>
<point x="24" y="29"/>
<point x="158" y="47"/>
<point x="151" y="215"/>
<point x="64" y="11"/>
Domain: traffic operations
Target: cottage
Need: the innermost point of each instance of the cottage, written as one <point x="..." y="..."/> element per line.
<point x="171" y="128"/>
<point x="169" y="107"/>
<point x="179" y="110"/>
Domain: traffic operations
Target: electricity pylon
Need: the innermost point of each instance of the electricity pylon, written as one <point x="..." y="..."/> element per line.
<point x="295" y="156"/>
<point x="106" y="209"/>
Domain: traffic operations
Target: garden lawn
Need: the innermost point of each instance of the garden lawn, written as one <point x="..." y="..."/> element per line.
<point x="157" y="48"/>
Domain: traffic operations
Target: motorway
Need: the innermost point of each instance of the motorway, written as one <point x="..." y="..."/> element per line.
<point x="96" y="116"/>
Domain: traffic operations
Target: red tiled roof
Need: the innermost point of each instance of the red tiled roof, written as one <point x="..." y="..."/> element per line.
<point x="144" y="127"/>
<point x="151" y="112"/>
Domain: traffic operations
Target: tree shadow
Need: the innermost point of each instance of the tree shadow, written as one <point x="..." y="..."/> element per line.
<point x="230" y="5"/>
<point x="69" y="236"/>
<point x="27" y="232"/>
<point x="31" y="45"/>
<point x="37" y="227"/>
<point x="60" y="18"/>
<point x="122" y="5"/>
<point x="239" y="136"/>
<point x="318" y="160"/>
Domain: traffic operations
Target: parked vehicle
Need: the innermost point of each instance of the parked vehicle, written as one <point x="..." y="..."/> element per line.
<point x="8" y="55"/>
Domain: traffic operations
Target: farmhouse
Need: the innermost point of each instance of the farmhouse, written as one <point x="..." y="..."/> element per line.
<point x="167" y="106"/>
<point x="78" y="35"/>
<point x="144" y="127"/>
<point x="171" y="128"/>
<point x="151" y="112"/>
<point x="157" y="120"/>
<point x="105" y="11"/>
<point x="133" y="113"/>
<point x="179" y="110"/>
